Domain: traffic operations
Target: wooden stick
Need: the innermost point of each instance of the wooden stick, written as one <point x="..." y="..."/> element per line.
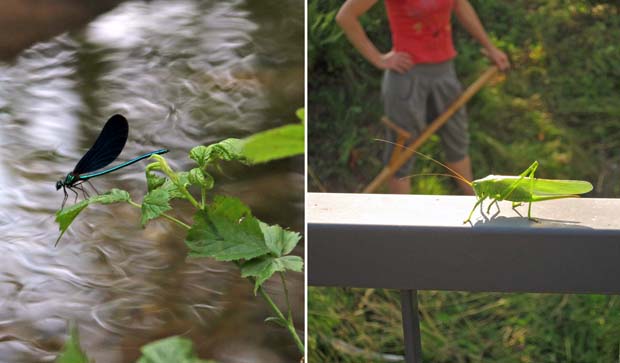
<point x="402" y="136"/>
<point x="399" y="130"/>
<point x="316" y="180"/>
<point x="391" y="168"/>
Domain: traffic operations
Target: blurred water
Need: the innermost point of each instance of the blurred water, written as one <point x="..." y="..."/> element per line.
<point x="184" y="73"/>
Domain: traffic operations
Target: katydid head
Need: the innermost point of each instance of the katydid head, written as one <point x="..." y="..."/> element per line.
<point x="491" y="186"/>
<point x="480" y="188"/>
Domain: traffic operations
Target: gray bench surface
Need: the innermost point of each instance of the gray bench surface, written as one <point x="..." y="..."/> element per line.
<point x="419" y="242"/>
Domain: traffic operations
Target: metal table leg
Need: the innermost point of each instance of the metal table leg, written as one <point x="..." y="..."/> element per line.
<point x="411" y="326"/>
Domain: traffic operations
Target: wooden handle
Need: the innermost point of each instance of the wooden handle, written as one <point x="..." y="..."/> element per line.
<point x="399" y="130"/>
<point x="408" y="152"/>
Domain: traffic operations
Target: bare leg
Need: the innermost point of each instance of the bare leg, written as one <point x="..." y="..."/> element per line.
<point x="463" y="167"/>
<point x="398" y="185"/>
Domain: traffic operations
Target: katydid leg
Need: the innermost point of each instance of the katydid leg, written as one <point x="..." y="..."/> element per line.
<point x="529" y="172"/>
<point x="473" y="209"/>
<point x="495" y="201"/>
<point x="497" y="205"/>
<point x="529" y="207"/>
<point x="540" y="199"/>
<point x="529" y="213"/>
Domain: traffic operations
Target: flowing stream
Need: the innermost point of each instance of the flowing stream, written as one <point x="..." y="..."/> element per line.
<point x="184" y="73"/>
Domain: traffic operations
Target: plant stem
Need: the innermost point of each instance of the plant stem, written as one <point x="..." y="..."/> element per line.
<point x="288" y="303"/>
<point x="188" y="195"/>
<point x="180" y="223"/>
<point x="289" y="324"/>
<point x="168" y="217"/>
<point x="203" y="196"/>
<point x="174" y="177"/>
<point x="135" y="204"/>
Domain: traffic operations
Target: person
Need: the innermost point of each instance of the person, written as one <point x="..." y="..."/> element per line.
<point x="419" y="81"/>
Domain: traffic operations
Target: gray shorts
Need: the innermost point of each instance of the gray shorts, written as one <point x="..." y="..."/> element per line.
<point x="414" y="99"/>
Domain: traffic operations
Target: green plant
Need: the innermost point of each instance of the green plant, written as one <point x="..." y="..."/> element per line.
<point x="224" y="228"/>
<point x="172" y="349"/>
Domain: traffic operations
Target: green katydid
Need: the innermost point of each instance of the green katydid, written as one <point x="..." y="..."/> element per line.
<point x="523" y="188"/>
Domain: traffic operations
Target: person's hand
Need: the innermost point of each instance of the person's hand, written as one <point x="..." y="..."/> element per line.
<point x="397" y="61"/>
<point x="498" y="57"/>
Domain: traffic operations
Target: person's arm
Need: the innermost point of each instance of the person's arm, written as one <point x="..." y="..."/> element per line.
<point x="468" y="18"/>
<point x="348" y="19"/>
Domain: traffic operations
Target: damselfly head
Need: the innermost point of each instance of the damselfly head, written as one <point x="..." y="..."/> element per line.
<point x="59" y="184"/>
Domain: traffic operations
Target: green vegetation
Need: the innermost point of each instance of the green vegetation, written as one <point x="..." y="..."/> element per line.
<point x="171" y="349"/>
<point x="72" y="351"/>
<point x="223" y="227"/>
<point x="560" y="105"/>
<point x="466" y="327"/>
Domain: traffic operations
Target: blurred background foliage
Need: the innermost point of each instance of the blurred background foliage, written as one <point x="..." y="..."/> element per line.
<point x="560" y="105"/>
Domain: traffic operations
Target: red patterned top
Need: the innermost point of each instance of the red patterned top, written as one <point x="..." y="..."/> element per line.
<point x="422" y="29"/>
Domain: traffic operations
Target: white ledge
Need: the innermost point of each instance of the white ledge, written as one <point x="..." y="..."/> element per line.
<point x="420" y="242"/>
<point x="451" y="211"/>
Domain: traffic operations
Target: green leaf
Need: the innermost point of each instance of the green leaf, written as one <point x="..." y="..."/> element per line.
<point x="274" y="319"/>
<point x="66" y="216"/>
<point x="154" y="204"/>
<point x="226" y="231"/>
<point x="183" y="179"/>
<point x="281" y="142"/>
<point x="262" y="268"/>
<point x="278" y="240"/>
<point x="200" y="177"/>
<point x="226" y="150"/>
<point x="113" y="196"/>
<point x="292" y="263"/>
<point x="72" y="352"/>
<point x="209" y="181"/>
<point x="196" y="177"/>
<point x="199" y="155"/>
<point x="301" y="114"/>
<point x="172" y="349"/>
<point x="173" y="190"/>
<point x="154" y="181"/>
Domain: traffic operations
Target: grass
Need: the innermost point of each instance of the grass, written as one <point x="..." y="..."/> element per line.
<point x="560" y="104"/>
<point x="467" y="327"/>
